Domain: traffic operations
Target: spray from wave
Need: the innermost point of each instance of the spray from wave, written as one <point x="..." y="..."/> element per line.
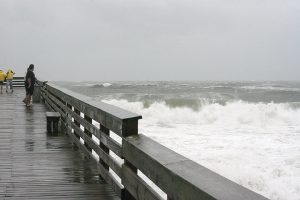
<point x="253" y="144"/>
<point x="232" y="113"/>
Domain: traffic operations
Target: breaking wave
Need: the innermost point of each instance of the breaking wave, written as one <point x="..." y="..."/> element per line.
<point x="231" y="113"/>
<point x="253" y="144"/>
<point x="100" y="85"/>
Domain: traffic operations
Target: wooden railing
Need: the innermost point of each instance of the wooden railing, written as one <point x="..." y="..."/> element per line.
<point x="17" y="82"/>
<point x="178" y="177"/>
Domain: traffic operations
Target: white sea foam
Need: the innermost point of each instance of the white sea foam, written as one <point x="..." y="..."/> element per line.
<point x="237" y="113"/>
<point x="254" y="144"/>
<point x="106" y="84"/>
<point x="271" y="88"/>
<point x="85" y="84"/>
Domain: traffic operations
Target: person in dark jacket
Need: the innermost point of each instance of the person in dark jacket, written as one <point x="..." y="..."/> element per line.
<point x="29" y="84"/>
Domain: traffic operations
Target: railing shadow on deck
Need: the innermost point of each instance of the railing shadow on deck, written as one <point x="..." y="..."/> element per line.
<point x="178" y="177"/>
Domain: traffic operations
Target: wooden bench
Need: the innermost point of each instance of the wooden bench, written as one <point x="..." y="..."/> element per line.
<point x="52" y="121"/>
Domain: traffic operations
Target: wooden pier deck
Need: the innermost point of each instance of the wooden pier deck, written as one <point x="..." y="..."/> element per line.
<point x="35" y="165"/>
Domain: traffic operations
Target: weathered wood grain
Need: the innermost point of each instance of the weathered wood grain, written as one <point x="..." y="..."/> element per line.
<point x="115" y="119"/>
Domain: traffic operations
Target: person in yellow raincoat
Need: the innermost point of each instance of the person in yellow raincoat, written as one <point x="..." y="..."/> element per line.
<point x="9" y="80"/>
<point x="2" y="78"/>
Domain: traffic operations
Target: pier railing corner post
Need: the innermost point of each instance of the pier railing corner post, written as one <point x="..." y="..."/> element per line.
<point x="129" y="128"/>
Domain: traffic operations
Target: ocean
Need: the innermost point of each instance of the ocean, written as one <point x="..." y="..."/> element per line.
<point x="248" y="132"/>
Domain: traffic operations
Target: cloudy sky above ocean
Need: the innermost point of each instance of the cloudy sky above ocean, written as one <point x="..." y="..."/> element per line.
<point x="152" y="40"/>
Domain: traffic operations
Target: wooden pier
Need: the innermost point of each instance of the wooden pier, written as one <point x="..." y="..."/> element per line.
<point x="36" y="165"/>
<point x="84" y="161"/>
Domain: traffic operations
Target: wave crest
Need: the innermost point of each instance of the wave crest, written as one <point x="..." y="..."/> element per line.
<point x="236" y="113"/>
<point x="101" y="85"/>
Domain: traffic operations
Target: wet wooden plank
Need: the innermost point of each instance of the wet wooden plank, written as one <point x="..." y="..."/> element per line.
<point x="34" y="165"/>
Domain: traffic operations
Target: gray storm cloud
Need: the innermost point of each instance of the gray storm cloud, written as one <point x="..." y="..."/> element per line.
<point x="152" y="40"/>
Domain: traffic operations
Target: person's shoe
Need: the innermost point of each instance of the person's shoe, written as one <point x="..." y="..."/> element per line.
<point x="6" y="91"/>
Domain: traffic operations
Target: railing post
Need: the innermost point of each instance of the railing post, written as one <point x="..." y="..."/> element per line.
<point x="68" y="117"/>
<point x="36" y="97"/>
<point x="42" y="92"/>
<point x="46" y="99"/>
<point x="105" y="131"/>
<point x="129" y="128"/>
<point x="76" y="123"/>
<point x="88" y="119"/>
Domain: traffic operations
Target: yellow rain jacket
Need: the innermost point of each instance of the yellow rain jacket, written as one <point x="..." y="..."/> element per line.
<point x="10" y="75"/>
<point x="2" y="75"/>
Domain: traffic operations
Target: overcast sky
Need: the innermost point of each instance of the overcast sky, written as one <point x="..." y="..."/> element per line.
<point x="107" y="40"/>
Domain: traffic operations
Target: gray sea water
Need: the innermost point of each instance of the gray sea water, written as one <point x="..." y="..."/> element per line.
<point x="248" y="132"/>
<point x="191" y="94"/>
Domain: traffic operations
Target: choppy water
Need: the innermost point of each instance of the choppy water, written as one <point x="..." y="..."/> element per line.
<point x="247" y="131"/>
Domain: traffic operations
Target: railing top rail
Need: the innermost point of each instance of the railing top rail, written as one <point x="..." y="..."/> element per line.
<point x="114" y="111"/>
<point x="180" y="177"/>
<point x="18" y="77"/>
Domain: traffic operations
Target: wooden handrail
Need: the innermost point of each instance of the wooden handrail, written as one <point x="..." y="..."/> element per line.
<point x="17" y="82"/>
<point x="179" y="177"/>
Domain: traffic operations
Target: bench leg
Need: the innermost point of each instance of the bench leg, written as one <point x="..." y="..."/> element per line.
<point x="49" y="122"/>
<point x="55" y="126"/>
